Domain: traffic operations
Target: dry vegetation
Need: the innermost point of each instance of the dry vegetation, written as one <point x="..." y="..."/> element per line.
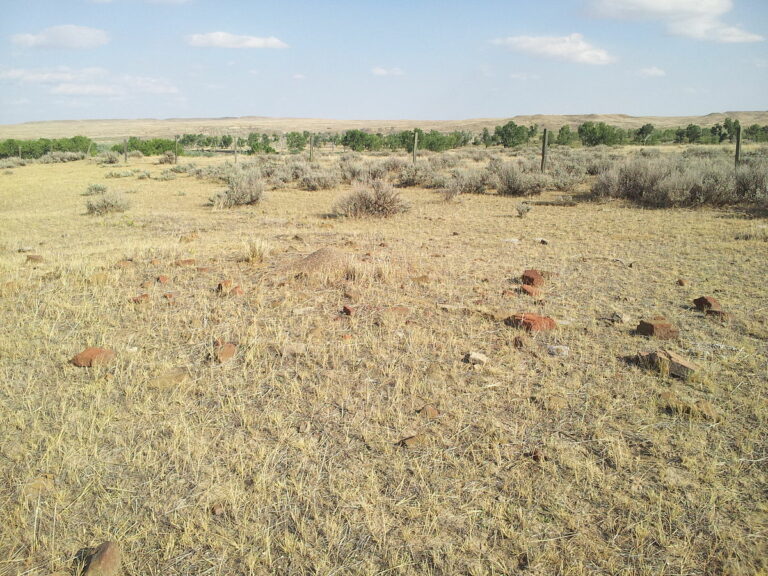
<point x="310" y="451"/>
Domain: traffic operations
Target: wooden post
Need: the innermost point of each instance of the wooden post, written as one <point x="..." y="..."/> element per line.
<point x="176" y="150"/>
<point x="544" y="144"/>
<point x="125" y="150"/>
<point x="311" y="147"/>
<point x="235" y="142"/>
<point x="415" y="144"/>
<point x="738" y="145"/>
<point x="19" y="151"/>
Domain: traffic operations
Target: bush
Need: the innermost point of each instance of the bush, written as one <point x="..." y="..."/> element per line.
<point x="319" y="180"/>
<point x="106" y="204"/>
<point x="58" y="157"/>
<point x="245" y="187"/>
<point x="466" y="182"/>
<point x="379" y="200"/>
<point x="168" y="157"/>
<point x="95" y="189"/>
<point x="752" y="182"/>
<point x="109" y="158"/>
<point x="513" y="182"/>
<point x="135" y="154"/>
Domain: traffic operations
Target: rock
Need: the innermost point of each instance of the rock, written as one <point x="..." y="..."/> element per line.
<point x="351" y="294"/>
<point x="34" y="258"/>
<point x="236" y="291"/>
<point x="170" y="379"/>
<point x="429" y="412"/>
<point x="169" y="297"/>
<point x="155" y="262"/>
<point x="204" y="269"/>
<point x="23" y="249"/>
<point x="718" y="314"/>
<point x="658" y="327"/>
<point x="146" y="284"/>
<point x="531" y="291"/>
<point x="105" y="560"/>
<point x="705" y="303"/>
<point x="476" y="359"/>
<point x="126" y="263"/>
<point x="185" y="262"/>
<point x="187" y="238"/>
<point x="531" y="322"/>
<point x="536" y="455"/>
<point x="225" y="352"/>
<point x="421" y="280"/>
<point x="560" y="351"/>
<point x="224" y="286"/>
<point x="140" y="299"/>
<point x="533" y="278"/>
<point x="162" y="279"/>
<point x="218" y="509"/>
<point x="348" y="311"/>
<point x="619" y="318"/>
<point x="668" y="363"/>
<point x="681" y="282"/>
<point x="397" y="310"/>
<point x="543" y="241"/>
<point x="93" y="356"/>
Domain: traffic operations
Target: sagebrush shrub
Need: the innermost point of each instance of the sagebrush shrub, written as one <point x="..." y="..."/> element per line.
<point x="319" y="180"/>
<point x="379" y="200"/>
<point x="245" y="187"/>
<point x="106" y="204"/>
<point x="95" y="189"/>
<point x="511" y="181"/>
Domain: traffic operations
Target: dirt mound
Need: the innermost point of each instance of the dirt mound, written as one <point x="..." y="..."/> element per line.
<point x="323" y="261"/>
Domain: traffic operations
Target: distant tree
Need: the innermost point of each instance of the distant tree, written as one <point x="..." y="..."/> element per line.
<point x="565" y="135"/>
<point x="731" y="127"/>
<point x="693" y="133"/>
<point x="486" y="138"/>
<point x="644" y="133"/>
<point x="226" y="141"/>
<point x="510" y="134"/>
<point x="296" y="141"/>
<point x="596" y="133"/>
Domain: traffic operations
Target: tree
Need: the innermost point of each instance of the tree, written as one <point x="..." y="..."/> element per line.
<point x="731" y="127"/>
<point x="644" y="133"/>
<point x="596" y="133"/>
<point x="486" y="138"/>
<point x="693" y="133"/>
<point x="511" y="134"/>
<point x="564" y="136"/>
<point x="226" y="141"/>
<point x="296" y="141"/>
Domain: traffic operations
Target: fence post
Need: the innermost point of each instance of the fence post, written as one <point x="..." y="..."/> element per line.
<point x="544" y="144"/>
<point x="235" y="143"/>
<point x="415" y="144"/>
<point x="176" y="150"/>
<point x="311" y="147"/>
<point x="125" y="150"/>
<point x="738" y="145"/>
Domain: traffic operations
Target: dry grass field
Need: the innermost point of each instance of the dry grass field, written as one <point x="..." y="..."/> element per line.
<point x="310" y="451"/>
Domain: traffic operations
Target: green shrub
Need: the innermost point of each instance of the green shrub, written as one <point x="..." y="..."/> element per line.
<point x="106" y="204"/>
<point x="245" y="187"/>
<point x="95" y="189"/>
<point x="511" y="181"/>
<point x="109" y="158"/>
<point x="379" y="200"/>
<point x="319" y="180"/>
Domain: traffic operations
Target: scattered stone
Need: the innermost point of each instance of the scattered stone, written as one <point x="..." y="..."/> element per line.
<point x="218" y="509"/>
<point x="155" y="262"/>
<point x="140" y="299"/>
<point x="23" y="249"/>
<point x="531" y="291"/>
<point x="658" y="327"/>
<point x="34" y="258"/>
<point x="105" y="560"/>
<point x="185" y="262"/>
<point x="531" y="322"/>
<point x="619" y="318"/>
<point x="411" y="441"/>
<point x="236" y="291"/>
<point x="512" y="240"/>
<point x="93" y="356"/>
<point x="397" y="310"/>
<point x="668" y="363"/>
<point x="429" y="412"/>
<point x="224" y="286"/>
<point x="536" y="455"/>
<point x="476" y="358"/>
<point x="705" y="303"/>
<point x="533" y="278"/>
<point x="204" y="269"/>
<point x="543" y="241"/>
<point x="127" y="263"/>
<point x="170" y="298"/>
<point x="163" y="279"/>
<point x="560" y="351"/>
<point x="147" y="284"/>
<point x="682" y="282"/>
<point x="225" y="352"/>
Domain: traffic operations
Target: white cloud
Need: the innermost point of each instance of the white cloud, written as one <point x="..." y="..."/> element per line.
<point x="66" y="36"/>
<point x="699" y="19"/>
<point x="148" y="85"/>
<point x="298" y="77"/>
<point x="523" y="76"/>
<point x="651" y="72"/>
<point x="227" y="40"/>
<point x="381" y="71"/>
<point x="572" y="48"/>
<point x="51" y="76"/>
<point x="70" y="89"/>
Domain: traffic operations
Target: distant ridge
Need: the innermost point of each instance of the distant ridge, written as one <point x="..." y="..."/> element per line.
<point x="116" y="129"/>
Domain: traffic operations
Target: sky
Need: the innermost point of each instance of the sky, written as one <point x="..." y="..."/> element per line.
<point x="385" y="59"/>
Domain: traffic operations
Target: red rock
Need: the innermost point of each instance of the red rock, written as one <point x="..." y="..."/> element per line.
<point x="669" y="363"/>
<point x="155" y="262"/>
<point x="658" y="327"/>
<point x="411" y="441"/>
<point x="127" y="263"/>
<point x="34" y="258"/>
<point x="348" y="311"/>
<point x="204" y="269"/>
<point x="185" y="262"/>
<point x="681" y="282"/>
<point x="531" y="322"/>
<point x="705" y="303"/>
<point x="507" y="293"/>
<point x="225" y="352"/>
<point x="147" y="284"/>
<point x="105" y="560"/>
<point x="140" y="299"/>
<point x="93" y="356"/>
<point x="236" y="291"/>
<point x="162" y="279"/>
<point x="533" y="278"/>
<point x="429" y="412"/>
<point x="170" y="297"/>
<point x="531" y="291"/>
<point x="224" y="286"/>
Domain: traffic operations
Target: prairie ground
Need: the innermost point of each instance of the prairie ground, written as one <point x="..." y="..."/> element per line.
<point x="289" y="457"/>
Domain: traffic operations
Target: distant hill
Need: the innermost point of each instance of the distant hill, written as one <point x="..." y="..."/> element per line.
<point x="115" y="130"/>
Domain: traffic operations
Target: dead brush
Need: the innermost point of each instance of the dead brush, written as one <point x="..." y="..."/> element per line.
<point x="257" y="250"/>
<point x="379" y="200"/>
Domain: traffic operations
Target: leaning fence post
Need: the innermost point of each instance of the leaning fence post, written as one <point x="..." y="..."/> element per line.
<point x="311" y="147"/>
<point x="544" y="143"/>
<point x="176" y="150"/>
<point x="125" y="150"/>
<point x="415" y="144"/>
<point x="738" y="145"/>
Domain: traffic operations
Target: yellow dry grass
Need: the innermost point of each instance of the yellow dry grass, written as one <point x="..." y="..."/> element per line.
<point x="287" y="459"/>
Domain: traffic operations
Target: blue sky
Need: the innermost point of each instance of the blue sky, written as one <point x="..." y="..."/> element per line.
<point x="389" y="59"/>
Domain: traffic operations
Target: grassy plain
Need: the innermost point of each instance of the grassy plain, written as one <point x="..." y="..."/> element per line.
<point x="288" y="458"/>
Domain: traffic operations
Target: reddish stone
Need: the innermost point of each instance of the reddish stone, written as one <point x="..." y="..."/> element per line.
<point x="658" y="327"/>
<point x="533" y="278"/>
<point x="163" y="279"/>
<point x="236" y="291"/>
<point x="705" y="303"/>
<point x="411" y="441"/>
<point x="224" y="286"/>
<point x="399" y="310"/>
<point x="140" y="299"/>
<point x="185" y="262"/>
<point x="531" y="291"/>
<point x="105" y="560"/>
<point x="147" y="284"/>
<point x="155" y="262"/>
<point x="170" y="297"/>
<point x="204" y="269"/>
<point x="93" y="357"/>
<point x="531" y="322"/>
<point x="34" y="258"/>
<point x="681" y="282"/>
<point x="225" y="352"/>
<point x="429" y="412"/>
<point x="125" y="264"/>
